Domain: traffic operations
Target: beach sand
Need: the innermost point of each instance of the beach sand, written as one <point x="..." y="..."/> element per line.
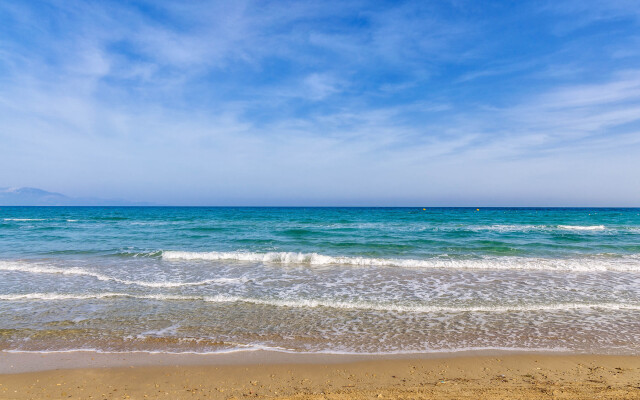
<point x="502" y="376"/>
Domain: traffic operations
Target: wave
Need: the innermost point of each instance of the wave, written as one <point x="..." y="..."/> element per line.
<point x="582" y="227"/>
<point x="241" y="347"/>
<point x="506" y="228"/>
<point x="314" y="303"/>
<point x="139" y="254"/>
<point x="586" y="264"/>
<point x="41" y="269"/>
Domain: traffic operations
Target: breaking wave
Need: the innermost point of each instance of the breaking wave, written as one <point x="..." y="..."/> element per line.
<point x="587" y="264"/>
<point x="42" y="269"/>
<point x="582" y="227"/>
<point x="314" y="303"/>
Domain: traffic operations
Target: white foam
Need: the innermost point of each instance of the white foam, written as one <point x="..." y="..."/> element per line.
<point x="23" y="219"/>
<point x="527" y="228"/>
<point x="582" y="227"/>
<point x="241" y="347"/>
<point x="506" y="228"/>
<point x="312" y="303"/>
<point x="41" y="269"/>
<point x="587" y="264"/>
<point x="307" y="303"/>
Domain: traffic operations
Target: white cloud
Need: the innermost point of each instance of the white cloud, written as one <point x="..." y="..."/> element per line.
<point x="250" y="99"/>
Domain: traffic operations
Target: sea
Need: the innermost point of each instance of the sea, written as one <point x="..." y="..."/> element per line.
<point x="319" y="280"/>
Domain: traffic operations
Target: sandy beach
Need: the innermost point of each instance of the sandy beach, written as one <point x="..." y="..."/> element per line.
<point x="506" y="376"/>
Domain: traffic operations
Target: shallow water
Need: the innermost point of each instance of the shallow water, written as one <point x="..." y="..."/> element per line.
<point x="354" y="280"/>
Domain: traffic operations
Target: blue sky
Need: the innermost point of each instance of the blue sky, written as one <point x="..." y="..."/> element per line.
<point x="323" y="103"/>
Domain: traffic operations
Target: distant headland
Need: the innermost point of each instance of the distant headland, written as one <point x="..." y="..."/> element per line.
<point x="28" y="196"/>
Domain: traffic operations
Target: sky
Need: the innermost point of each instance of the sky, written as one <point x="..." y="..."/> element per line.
<point x="345" y="103"/>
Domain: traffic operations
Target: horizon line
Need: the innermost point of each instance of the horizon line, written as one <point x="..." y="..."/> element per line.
<point x="309" y="206"/>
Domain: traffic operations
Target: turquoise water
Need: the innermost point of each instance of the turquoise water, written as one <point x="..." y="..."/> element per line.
<point x="359" y="280"/>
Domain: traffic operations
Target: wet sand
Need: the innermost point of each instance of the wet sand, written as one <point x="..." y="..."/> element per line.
<point x="263" y="375"/>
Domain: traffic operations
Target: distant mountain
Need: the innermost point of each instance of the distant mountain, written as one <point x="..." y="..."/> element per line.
<point x="27" y="196"/>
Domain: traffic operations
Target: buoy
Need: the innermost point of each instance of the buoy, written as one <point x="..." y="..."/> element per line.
<point x="477" y="209"/>
<point x="424" y="209"/>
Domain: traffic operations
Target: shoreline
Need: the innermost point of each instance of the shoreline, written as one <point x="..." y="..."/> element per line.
<point x="265" y="375"/>
<point x="16" y="361"/>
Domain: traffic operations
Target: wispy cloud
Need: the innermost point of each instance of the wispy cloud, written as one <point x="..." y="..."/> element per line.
<point x="214" y="102"/>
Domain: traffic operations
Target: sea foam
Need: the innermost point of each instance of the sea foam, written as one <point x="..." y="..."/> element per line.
<point x="314" y="303"/>
<point x="586" y="264"/>
<point x="43" y="269"/>
<point x="582" y="227"/>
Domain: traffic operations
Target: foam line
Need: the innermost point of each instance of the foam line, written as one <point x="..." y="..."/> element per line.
<point x="629" y="263"/>
<point x="311" y="303"/>
<point x="42" y="269"/>
<point x="582" y="227"/>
